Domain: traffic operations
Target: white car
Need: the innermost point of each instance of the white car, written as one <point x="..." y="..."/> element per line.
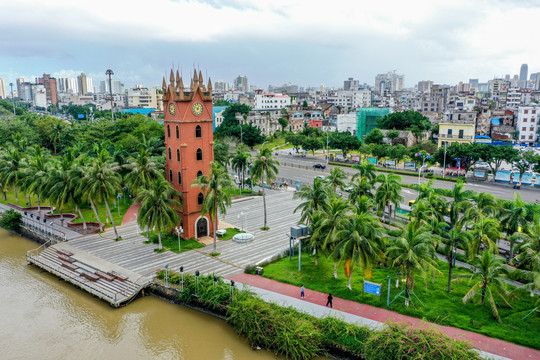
<point x="320" y="177"/>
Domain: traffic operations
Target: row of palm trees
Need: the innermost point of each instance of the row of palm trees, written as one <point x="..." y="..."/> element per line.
<point x="77" y="178"/>
<point x="357" y="234"/>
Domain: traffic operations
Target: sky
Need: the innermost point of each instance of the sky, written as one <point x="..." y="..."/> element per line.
<point x="303" y="42"/>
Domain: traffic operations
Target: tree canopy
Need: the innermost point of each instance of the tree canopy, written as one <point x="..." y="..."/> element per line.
<point x="405" y="120"/>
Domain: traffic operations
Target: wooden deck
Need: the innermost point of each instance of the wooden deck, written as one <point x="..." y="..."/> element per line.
<point x="100" y="278"/>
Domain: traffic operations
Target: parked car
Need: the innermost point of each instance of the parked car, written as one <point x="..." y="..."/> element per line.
<point x="319" y="166"/>
<point x="320" y="177"/>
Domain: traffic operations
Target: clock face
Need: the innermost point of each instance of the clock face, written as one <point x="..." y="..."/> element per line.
<point x="172" y="108"/>
<point x="197" y="109"/>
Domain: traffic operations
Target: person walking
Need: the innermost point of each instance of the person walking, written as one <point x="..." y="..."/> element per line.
<point x="330" y="298"/>
<point x="302" y="292"/>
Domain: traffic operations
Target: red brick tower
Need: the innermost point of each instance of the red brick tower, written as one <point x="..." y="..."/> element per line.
<point x="189" y="145"/>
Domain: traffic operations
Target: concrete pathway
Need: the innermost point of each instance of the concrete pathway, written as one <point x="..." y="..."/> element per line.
<point x="289" y="295"/>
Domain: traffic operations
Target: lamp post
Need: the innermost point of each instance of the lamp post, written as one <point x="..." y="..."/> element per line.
<point x="182" y="272"/>
<point x="232" y="288"/>
<point x="12" y="98"/>
<point x="197" y="282"/>
<point x="118" y="204"/>
<point x="110" y="73"/>
<point x="327" y="154"/>
<point x="167" y="274"/>
<point x="444" y="161"/>
<point x="179" y="230"/>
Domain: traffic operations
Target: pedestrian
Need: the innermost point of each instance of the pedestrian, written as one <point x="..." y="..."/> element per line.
<point x="330" y="298"/>
<point x="302" y="291"/>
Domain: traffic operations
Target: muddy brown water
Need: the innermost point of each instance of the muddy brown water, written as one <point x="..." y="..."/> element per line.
<point x="42" y="317"/>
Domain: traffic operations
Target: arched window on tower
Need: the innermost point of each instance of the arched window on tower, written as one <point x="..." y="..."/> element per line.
<point x="179" y="178"/>
<point x="178" y="154"/>
<point x="170" y="176"/>
<point x="170" y="154"/>
<point x="168" y="131"/>
<point x="199" y="173"/>
<point x="199" y="154"/>
<point x="177" y="132"/>
<point x="200" y="199"/>
<point x="198" y="131"/>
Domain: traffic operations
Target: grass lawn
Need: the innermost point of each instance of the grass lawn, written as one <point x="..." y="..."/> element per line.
<point x="236" y="191"/>
<point x="170" y="242"/>
<point x="10" y="195"/>
<point x="439" y="306"/>
<point x="229" y="234"/>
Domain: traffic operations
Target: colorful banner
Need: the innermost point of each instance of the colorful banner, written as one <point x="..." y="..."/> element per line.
<point x="390" y="162"/>
<point x="372" y="160"/>
<point x="503" y="176"/>
<point x="410" y="165"/>
<point x="479" y="174"/>
<point x="526" y="179"/>
<point x="537" y="181"/>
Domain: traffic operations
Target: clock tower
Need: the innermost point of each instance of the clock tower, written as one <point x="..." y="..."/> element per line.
<point x="189" y="146"/>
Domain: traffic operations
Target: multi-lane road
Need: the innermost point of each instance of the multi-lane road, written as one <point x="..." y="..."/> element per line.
<point x="295" y="168"/>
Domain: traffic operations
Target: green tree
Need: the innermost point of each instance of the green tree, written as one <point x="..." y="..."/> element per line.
<point x="240" y="162"/>
<point x="451" y="241"/>
<point x="360" y="243"/>
<point x="159" y="207"/>
<point x="404" y="120"/>
<point x="12" y="168"/>
<point x="295" y="139"/>
<point x="397" y="153"/>
<point x="496" y="155"/>
<point x="335" y="179"/>
<point x="365" y="170"/>
<point x="11" y="220"/>
<point x="413" y="250"/>
<point x="344" y="141"/>
<point x="392" y="135"/>
<point x="215" y="186"/>
<point x="529" y="255"/>
<point x="379" y="151"/>
<point x="375" y="136"/>
<point x="312" y="144"/>
<point x="264" y="168"/>
<point x="360" y="188"/>
<point x="388" y="192"/>
<point x="283" y="123"/>
<point x="142" y="172"/>
<point x="221" y="153"/>
<point x="488" y="280"/>
<point x="315" y="197"/>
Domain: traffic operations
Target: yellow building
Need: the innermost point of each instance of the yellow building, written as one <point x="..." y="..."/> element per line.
<point x="456" y="133"/>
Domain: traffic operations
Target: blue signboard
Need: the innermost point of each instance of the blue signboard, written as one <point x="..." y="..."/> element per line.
<point x="390" y="162"/>
<point x="526" y="179"/>
<point x="372" y="288"/>
<point x="503" y="176"/>
<point x="372" y="160"/>
<point x="537" y="181"/>
<point x="410" y="165"/>
<point x="298" y="185"/>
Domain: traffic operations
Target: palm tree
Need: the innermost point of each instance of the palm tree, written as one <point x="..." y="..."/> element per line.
<point x="335" y="179"/>
<point x="240" y="162"/>
<point x="36" y="174"/>
<point x="485" y="230"/>
<point x="365" y="170"/>
<point x="460" y="201"/>
<point x="360" y="243"/>
<point x="76" y="177"/>
<point x="143" y="172"/>
<point x="488" y="282"/>
<point x="451" y="241"/>
<point x="324" y="225"/>
<point x="529" y="254"/>
<point x="360" y="187"/>
<point x="59" y="190"/>
<point x="315" y="197"/>
<point x="389" y="192"/>
<point x="413" y="250"/>
<point x="103" y="183"/>
<point x="159" y="207"/>
<point x="216" y="197"/>
<point x="515" y="217"/>
<point x="264" y="168"/>
<point x="12" y="168"/>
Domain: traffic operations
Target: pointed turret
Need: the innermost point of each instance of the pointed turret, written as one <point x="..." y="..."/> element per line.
<point x="172" y="78"/>
<point x="177" y="78"/>
<point x="195" y="80"/>
<point x="200" y="78"/>
<point x="164" y="85"/>
<point x="180" y="84"/>
<point x="209" y="86"/>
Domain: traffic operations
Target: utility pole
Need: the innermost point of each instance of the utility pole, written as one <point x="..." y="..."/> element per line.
<point x="444" y="161"/>
<point x="12" y="99"/>
<point x="110" y="73"/>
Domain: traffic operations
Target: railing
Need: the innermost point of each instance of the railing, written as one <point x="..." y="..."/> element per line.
<point x="35" y="252"/>
<point x="455" y="136"/>
<point x="133" y="283"/>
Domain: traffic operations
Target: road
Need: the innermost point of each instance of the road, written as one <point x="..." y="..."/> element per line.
<point x="296" y="168"/>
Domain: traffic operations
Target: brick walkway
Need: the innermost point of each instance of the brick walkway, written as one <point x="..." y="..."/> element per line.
<point x="481" y="342"/>
<point x="131" y="213"/>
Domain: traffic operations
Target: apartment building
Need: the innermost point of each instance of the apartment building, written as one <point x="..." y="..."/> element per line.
<point x="527" y="124"/>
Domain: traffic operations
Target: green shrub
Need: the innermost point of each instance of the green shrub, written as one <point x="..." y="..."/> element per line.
<point x="11" y="220"/>
<point x="282" y="330"/>
<point x="344" y="335"/>
<point x="401" y="341"/>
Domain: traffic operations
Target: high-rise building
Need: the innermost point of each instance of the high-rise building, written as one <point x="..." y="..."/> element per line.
<point x="241" y="83"/>
<point x="50" y="87"/>
<point x="116" y="86"/>
<point x="351" y="84"/>
<point x="83" y="84"/>
<point x="221" y="86"/>
<point x="474" y="83"/>
<point x="39" y="95"/>
<point x="523" y="75"/>
<point x="189" y="147"/>
<point x="19" y="82"/>
<point x="67" y="85"/>
<point x="2" y="89"/>
<point x="25" y="92"/>
<point x="425" y="85"/>
<point x="535" y="81"/>
<point x="389" y="82"/>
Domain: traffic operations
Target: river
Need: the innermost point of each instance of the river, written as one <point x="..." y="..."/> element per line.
<point x="42" y="317"/>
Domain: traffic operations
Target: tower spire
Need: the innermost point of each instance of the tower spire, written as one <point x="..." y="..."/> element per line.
<point x="172" y="78"/>
<point x="177" y="78"/>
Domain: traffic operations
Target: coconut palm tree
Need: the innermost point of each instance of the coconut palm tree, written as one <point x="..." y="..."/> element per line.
<point x="76" y="184"/>
<point x="425" y="189"/>
<point x="529" y="254"/>
<point x="142" y="172"/>
<point x="335" y="179"/>
<point x="484" y="230"/>
<point x="389" y="192"/>
<point x="451" y="241"/>
<point x="37" y="174"/>
<point x="214" y="185"/>
<point x="460" y="202"/>
<point x="264" y="168"/>
<point x="159" y="207"/>
<point x="365" y="170"/>
<point x="360" y="187"/>
<point x="515" y="216"/>
<point x="240" y="162"/>
<point x="360" y="243"/>
<point x="488" y="282"/>
<point x="331" y="223"/>
<point x="12" y="167"/>
<point x="59" y="189"/>
<point x="102" y="183"/>
<point x="315" y="197"/>
<point x="413" y="250"/>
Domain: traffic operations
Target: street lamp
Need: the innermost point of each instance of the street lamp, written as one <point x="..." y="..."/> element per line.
<point x="167" y="274"/>
<point x="110" y="73"/>
<point x="179" y="230"/>
<point x="118" y="204"/>
<point x="182" y="272"/>
<point x="197" y="281"/>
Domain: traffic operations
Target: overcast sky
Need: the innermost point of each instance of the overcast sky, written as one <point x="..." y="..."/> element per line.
<point x="304" y="42"/>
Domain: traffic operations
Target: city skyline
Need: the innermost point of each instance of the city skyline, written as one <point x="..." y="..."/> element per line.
<point x="272" y="43"/>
